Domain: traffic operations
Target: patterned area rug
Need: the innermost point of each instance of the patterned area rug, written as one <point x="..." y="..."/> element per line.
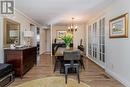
<point x="53" y="82"/>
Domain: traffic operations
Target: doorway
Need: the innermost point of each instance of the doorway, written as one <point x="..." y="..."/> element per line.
<point x="48" y="40"/>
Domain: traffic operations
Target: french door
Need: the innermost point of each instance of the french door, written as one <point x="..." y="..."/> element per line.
<point x="96" y="42"/>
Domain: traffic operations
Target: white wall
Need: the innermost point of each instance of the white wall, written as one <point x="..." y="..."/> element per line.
<point x="78" y="35"/>
<point x="118" y="49"/>
<point x="1" y="40"/>
<point x="24" y="24"/>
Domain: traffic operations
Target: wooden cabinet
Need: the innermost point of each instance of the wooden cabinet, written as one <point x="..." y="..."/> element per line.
<point x="22" y="59"/>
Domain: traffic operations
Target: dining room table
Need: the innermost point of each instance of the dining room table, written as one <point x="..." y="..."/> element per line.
<point x="61" y="50"/>
<point x="59" y="55"/>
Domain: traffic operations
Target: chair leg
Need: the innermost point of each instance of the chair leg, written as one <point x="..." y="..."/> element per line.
<point x="82" y="64"/>
<point x="66" y="73"/>
<point x="55" y="65"/>
<point x="77" y="70"/>
<point x="62" y="69"/>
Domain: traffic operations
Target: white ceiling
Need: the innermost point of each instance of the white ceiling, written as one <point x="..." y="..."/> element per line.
<point x="60" y="11"/>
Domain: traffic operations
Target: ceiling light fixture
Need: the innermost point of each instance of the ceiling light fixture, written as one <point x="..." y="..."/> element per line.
<point x="72" y="27"/>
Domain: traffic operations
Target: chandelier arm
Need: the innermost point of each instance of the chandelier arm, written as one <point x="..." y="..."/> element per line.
<point x="72" y="26"/>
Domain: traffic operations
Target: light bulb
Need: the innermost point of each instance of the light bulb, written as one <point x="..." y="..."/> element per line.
<point x="71" y="26"/>
<point x="76" y="27"/>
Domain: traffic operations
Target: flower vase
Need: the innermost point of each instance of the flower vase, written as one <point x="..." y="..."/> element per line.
<point x="67" y="46"/>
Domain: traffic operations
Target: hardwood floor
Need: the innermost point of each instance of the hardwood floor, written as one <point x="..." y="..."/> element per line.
<point x="93" y="75"/>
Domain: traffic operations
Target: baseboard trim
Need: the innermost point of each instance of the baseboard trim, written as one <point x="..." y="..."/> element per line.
<point x="117" y="77"/>
<point x="42" y="53"/>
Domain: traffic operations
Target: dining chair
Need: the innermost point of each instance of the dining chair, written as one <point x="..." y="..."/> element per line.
<point x="58" y="61"/>
<point x="82" y="61"/>
<point x="72" y="56"/>
<point x="81" y="48"/>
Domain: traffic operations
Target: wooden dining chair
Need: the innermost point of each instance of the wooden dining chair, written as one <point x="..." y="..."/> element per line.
<point x="72" y="56"/>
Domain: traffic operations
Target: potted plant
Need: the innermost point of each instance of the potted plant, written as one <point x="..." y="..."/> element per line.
<point x="68" y="38"/>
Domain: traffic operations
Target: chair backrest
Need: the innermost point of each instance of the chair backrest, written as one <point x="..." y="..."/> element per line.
<point x="72" y="55"/>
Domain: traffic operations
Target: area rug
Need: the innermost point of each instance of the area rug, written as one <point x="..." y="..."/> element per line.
<point x="53" y="82"/>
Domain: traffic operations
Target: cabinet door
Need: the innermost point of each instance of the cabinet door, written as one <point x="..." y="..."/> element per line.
<point x="29" y="58"/>
<point x="14" y="57"/>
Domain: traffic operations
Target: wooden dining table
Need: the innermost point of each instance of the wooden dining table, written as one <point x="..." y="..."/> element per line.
<point x="61" y="50"/>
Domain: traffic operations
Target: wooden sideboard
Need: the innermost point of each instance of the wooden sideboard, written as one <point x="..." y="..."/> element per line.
<point x="22" y="59"/>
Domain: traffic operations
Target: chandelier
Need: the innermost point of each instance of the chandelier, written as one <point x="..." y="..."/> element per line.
<point x="72" y="27"/>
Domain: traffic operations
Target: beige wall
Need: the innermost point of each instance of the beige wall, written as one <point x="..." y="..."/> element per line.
<point x="45" y="40"/>
<point x="55" y="29"/>
<point x="48" y="40"/>
<point x="42" y="41"/>
<point x="78" y="35"/>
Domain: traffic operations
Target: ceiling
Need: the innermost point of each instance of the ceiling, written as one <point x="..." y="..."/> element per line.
<point x="60" y="11"/>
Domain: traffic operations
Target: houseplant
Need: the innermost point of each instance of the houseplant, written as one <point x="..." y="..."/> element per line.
<point x="68" y="38"/>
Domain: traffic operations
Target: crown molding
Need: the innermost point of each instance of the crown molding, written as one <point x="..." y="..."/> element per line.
<point x="29" y="18"/>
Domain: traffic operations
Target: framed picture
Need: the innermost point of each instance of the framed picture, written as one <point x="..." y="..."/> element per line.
<point x="60" y="33"/>
<point x="118" y="27"/>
